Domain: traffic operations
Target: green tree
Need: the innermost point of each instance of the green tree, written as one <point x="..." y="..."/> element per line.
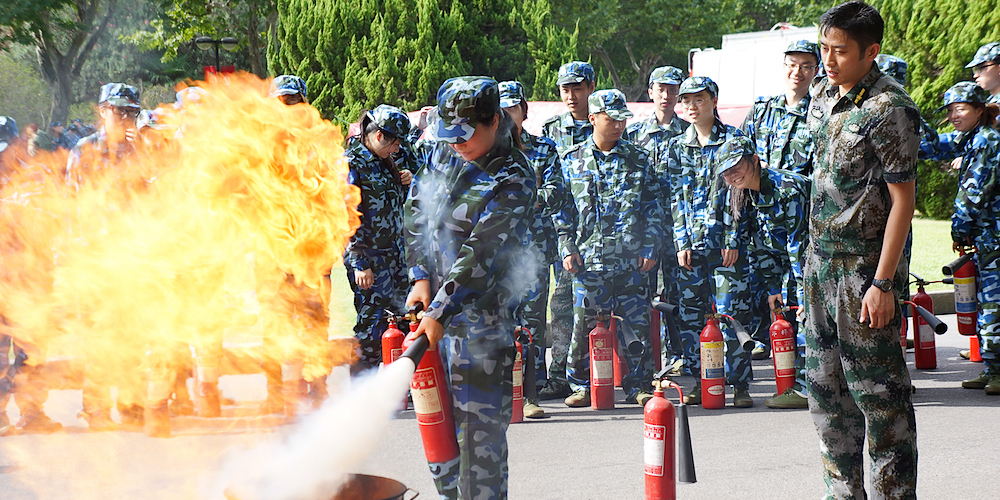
<point x="937" y="39"/>
<point x="355" y="55"/>
<point x="23" y="94"/>
<point x="64" y="34"/>
<point x="762" y="15"/>
<point x="549" y="45"/>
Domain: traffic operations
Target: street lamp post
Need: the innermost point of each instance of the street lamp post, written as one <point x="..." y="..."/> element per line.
<point x="207" y="42"/>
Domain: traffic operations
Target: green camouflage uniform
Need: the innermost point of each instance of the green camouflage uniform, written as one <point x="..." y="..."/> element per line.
<point x="858" y="382"/>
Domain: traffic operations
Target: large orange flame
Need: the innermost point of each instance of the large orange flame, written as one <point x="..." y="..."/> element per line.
<point x="235" y="198"/>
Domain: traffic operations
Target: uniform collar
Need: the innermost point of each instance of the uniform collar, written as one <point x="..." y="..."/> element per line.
<point x="861" y="91"/>
<point x="800" y="109"/>
<point x="717" y="137"/>
<point x="495" y="159"/>
<point x="618" y="149"/>
<point x="362" y="151"/>
<point x="765" y="198"/>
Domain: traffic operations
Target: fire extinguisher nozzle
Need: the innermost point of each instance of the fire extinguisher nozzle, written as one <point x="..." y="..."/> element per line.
<point x="417" y="349"/>
<point x="685" y="455"/>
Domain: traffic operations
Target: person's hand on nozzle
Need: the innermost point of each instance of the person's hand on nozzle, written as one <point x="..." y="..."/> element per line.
<point x="421" y="293"/>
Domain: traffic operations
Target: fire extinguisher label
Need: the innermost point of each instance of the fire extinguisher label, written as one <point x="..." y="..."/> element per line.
<point x="712" y="360"/>
<point x="784" y="363"/>
<point x="518" y="377"/>
<point x="926" y="336"/>
<point x="965" y="294"/>
<point x="654" y="446"/>
<point x="426" y="400"/>
<point x="604" y="368"/>
<point x="394" y="354"/>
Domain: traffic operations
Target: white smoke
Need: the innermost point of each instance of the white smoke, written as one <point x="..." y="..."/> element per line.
<point x="315" y="460"/>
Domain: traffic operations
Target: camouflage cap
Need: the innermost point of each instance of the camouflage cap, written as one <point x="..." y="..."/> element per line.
<point x="55" y="124"/>
<point x="696" y="84"/>
<point x="463" y="102"/>
<point x="151" y="118"/>
<point x="575" y="72"/>
<point x="666" y="74"/>
<point x="732" y="151"/>
<point x="892" y="66"/>
<point x="964" y="92"/>
<point x="511" y="93"/>
<point x="119" y="94"/>
<point x="288" y="85"/>
<point x="985" y="54"/>
<point x="8" y="131"/>
<point x="805" y="47"/>
<point x="391" y="120"/>
<point x="610" y="101"/>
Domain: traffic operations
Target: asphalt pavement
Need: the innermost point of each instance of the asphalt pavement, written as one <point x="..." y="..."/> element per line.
<point x="753" y="453"/>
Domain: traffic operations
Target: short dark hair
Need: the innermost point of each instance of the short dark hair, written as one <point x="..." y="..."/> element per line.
<point x="860" y="21"/>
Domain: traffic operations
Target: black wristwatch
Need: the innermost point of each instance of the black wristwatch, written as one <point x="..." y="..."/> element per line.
<point x="884" y="285"/>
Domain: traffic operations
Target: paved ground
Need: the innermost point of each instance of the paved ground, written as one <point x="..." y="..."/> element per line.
<point x="754" y="453"/>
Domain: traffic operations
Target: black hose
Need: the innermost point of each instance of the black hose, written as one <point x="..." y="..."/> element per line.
<point x="950" y="268"/>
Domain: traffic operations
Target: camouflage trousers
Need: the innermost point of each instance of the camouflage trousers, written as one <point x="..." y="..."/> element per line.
<point x="387" y="292"/>
<point x="707" y="283"/>
<point x="988" y="321"/>
<point x="478" y="354"/>
<point x="532" y="315"/>
<point x="561" y="305"/>
<point x="858" y="384"/>
<point x="626" y="293"/>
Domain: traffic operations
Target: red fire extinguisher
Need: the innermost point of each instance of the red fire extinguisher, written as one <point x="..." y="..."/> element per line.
<point x="661" y="440"/>
<point x="713" y="364"/>
<point x="392" y="345"/>
<point x="966" y="307"/>
<point x="602" y="388"/>
<point x="431" y="397"/>
<point x="783" y="348"/>
<point x="925" y="349"/>
<point x="517" y="415"/>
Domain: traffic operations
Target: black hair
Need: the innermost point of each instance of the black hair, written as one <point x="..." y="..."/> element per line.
<point x="368" y="127"/>
<point x="860" y="21"/>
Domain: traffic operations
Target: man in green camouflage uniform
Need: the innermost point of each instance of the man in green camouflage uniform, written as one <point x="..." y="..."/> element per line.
<point x="866" y="137"/>
<point x="576" y="83"/>
<point x="469" y="208"/>
<point x="651" y="134"/>
<point x="609" y="243"/>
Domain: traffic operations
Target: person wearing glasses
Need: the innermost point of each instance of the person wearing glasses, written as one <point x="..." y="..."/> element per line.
<point x="118" y="107"/>
<point x="711" y="247"/>
<point x="986" y="70"/>
<point x="375" y="257"/>
<point x="777" y="126"/>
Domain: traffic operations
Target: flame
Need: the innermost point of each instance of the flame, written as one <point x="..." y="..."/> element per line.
<point x="122" y="261"/>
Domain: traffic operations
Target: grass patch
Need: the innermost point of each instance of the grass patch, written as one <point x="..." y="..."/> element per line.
<point x="931" y="250"/>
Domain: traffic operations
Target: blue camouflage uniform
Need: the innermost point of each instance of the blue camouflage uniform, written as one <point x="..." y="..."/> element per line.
<point x="465" y="224"/>
<point x="378" y="243"/>
<point x="565" y="132"/>
<point x="703" y="225"/>
<point x="651" y="136"/>
<point x="540" y="240"/>
<point x="859" y="386"/>
<point x="976" y="220"/>
<point x="614" y="221"/>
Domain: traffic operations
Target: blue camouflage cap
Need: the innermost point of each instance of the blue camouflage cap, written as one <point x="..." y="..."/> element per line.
<point x="119" y="94"/>
<point x="288" y="85"/>
<point x="805" y="47"/>
<point x="610" y="101"/>
<point x="511" y="94"/>
<point x="575" y="72"/>
<point x="892" y="66"/>
<point x="732" y="151"/>
<point x="666" y="74"/>
<point x="696" y="84"/>
<point x="55" y="124"/>
<point x="463" y="102"/>
<point x="964" y="92"/>
<point x="391" y="120"/>
<point x="986" y="53"/>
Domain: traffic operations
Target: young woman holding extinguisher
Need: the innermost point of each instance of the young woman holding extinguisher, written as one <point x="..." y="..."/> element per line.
<point x="469" y="207"/>
<point x="976" y="221"/>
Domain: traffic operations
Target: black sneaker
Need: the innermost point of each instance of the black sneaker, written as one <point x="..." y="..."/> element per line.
<point x="554" y="390"/>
